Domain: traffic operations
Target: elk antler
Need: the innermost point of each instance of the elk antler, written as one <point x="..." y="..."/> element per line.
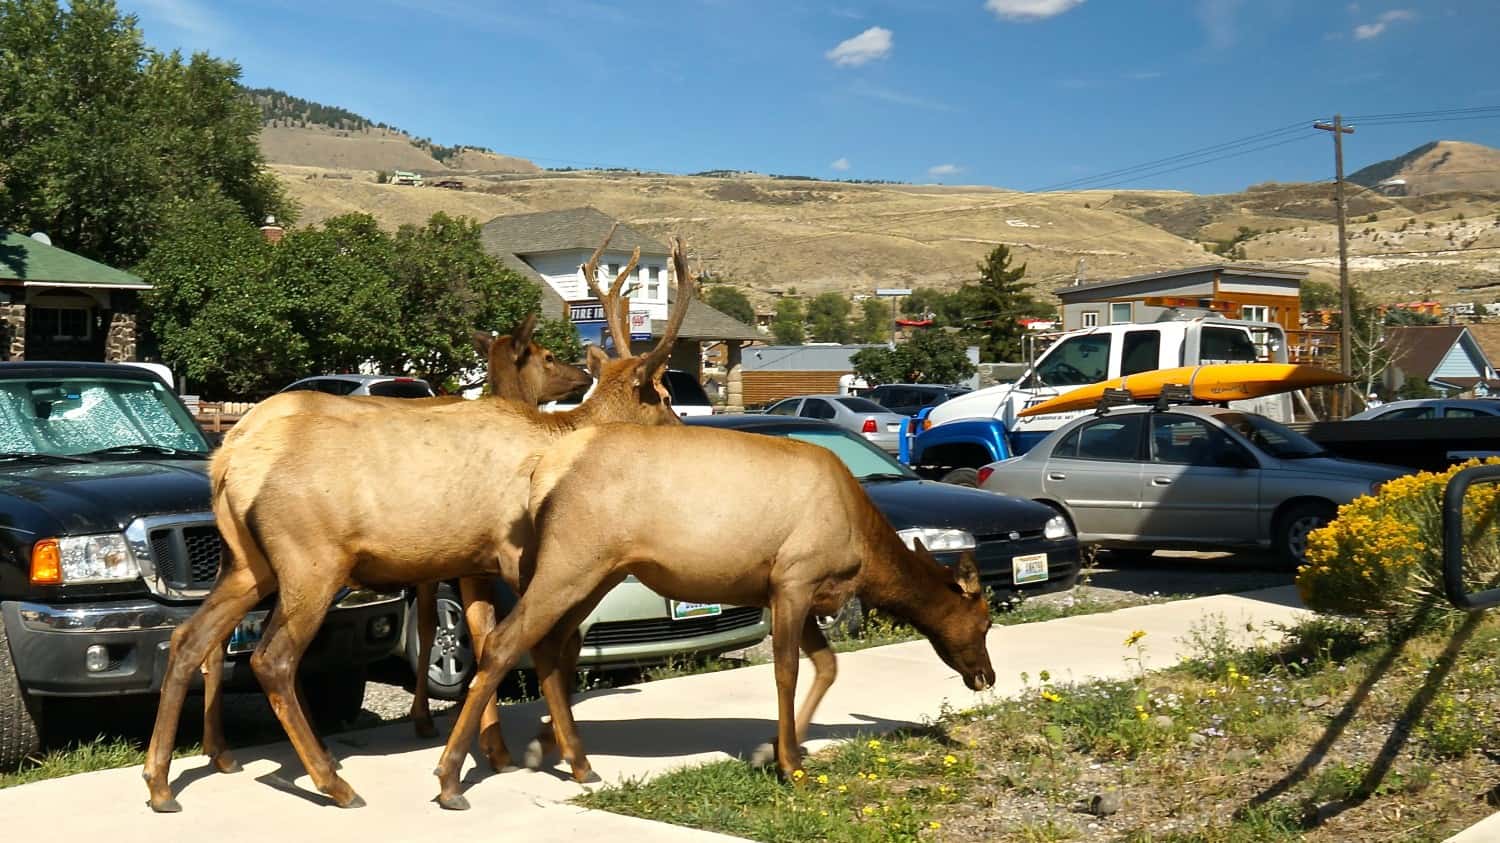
<point x="616" y="316"/>
<point x="687" y="285"/>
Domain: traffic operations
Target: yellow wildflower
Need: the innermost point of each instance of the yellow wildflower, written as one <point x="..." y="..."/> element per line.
<point x="874" y="744"/>
<point x="843" y="788"/>
<point x="880" y="760"/>
<point x="934" y="825"/>
<point x="1134" y="638"/>
<point x="798" y="775"/>
<point x="949" y="760"/>
<point x="868" y="810"/>
<point x="822" y="778"/>
<point x="1051" y="696"/>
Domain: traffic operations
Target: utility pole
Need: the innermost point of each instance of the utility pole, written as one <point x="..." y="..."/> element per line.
<point x="1346" y="308"/>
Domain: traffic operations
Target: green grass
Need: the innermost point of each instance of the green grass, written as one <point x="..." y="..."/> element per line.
<point x="98" y="754"/>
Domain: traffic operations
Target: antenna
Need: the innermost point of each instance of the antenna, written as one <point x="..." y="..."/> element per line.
<point x="41" y="237"/>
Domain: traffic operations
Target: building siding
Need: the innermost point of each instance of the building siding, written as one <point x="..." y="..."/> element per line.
<point x="561" y="271"/>
<point x="765" y="386"/>
<point x="1461" y="362"/>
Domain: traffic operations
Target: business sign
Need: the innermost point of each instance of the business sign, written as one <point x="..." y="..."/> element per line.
<point x="586" y="311"/>
<point x="894" y="291"/>
<point x="640" y="324"/>
<point x="593" y="329"/>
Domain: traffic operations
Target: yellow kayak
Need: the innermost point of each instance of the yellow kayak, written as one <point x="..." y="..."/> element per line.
<point x="1218" y="382"/>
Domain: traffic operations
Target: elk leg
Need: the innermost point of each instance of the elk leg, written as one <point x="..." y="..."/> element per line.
<point x="542" y="607"/>
<point x="788" y="619"/>
<point x="215" y="746"/>
<point x="825" y="670"/>
<point x="235" y="594"/>
<point x="421" y="714"/>
<point x="547" y="737"/>
<point x="556" y="661"/>
<point x="479" y="613"/>
<point x="290" y="630"/>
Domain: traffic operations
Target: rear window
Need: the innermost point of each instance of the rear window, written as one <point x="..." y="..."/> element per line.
<point x="685" y="389"/>
<point x="1226" y="345"/>
<point x="861" y="405"/>
<point x="401" y="389"/>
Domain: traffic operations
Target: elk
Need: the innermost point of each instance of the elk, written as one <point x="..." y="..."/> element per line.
<point x="736" y="518"/>
<point x="365" y="512"/>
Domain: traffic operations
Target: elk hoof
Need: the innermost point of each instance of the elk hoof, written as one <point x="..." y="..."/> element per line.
<point x="456" y="802"/>
<point x="226" y="763"/>
<point x="357" y="802"/>
<point x="589" y="777"/>
<point x="763" y="755"/>
<point x="166" y="806"/>
<point x="425" y="729"/>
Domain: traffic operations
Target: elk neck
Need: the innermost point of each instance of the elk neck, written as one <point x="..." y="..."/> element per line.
<point x="897" y="580"/>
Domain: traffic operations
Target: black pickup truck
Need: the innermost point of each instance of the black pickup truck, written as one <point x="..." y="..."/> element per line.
<point x="107" y="543"/>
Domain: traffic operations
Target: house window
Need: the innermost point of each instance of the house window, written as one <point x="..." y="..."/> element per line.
<point x="1120" y="313"/>
<point x="59" y="323"/>
<point x="1255" y="313"/>
<point x="1091" y="319"/>
<point x="649" y="276"/>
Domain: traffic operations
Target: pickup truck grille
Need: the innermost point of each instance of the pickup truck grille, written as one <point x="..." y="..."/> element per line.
<point x="616" y="633"/>
<point x="186" y="556"/>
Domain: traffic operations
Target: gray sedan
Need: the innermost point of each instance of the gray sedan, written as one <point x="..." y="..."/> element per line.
<point x="1432" y="408"/>
<point x="860" y="415"/>
<point x="1193" y="477"/>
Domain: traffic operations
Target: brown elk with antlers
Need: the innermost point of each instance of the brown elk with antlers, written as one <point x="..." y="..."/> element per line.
<point x="367" y="511"/>
<point x="735" y="518"/>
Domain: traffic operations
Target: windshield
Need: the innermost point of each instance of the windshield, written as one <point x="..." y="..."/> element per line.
<point x="70" y="416"/>
<point x="861" y="405"/>
<point x="864" y="460"/>
<point x="401" y="389"/>
<point x="1270" y="437"/>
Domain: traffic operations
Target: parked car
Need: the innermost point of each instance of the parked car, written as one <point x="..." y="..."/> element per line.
<point x="1432" y="408"/>
<point x="390" y="386"/>
<point x="908" y="398"/>
<point x="110" y="543"/>
<point x="688" y="397"/>
<point x="876" y="424"/>
<point x="1137" y="479"/>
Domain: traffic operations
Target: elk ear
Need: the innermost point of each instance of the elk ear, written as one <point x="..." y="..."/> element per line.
<point x="482" y="342"/>
<point x="521" y="336"/>
<point x="596" y="358"/>
<point x="966" y="574"/>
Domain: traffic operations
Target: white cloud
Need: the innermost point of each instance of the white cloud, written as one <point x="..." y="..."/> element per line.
<point x="1029" y="10"/>
<point x="944" y="170"/>
<point x="841" y="165"/>
<point x="874" y="43"/>
<point x="1366" y="31"/>
<point x="1217" y="17"/>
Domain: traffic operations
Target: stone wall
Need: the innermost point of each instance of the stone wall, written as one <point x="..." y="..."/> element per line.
<point x="13" y="330"/>
<point x="119" y="343"/>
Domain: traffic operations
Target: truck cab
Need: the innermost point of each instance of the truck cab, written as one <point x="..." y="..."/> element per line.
<point x="969" y="431"/>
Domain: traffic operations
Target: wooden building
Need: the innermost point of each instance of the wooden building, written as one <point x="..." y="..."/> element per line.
<point x="1240" y="291"/>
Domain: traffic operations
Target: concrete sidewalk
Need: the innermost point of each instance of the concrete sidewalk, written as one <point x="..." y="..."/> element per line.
<point x="637" y="731"/>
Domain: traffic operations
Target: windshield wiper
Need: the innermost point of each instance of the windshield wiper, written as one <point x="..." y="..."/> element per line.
<point x="884" y="477"/>
<point x="28" y="455"/>
<point x="144" y="448"/>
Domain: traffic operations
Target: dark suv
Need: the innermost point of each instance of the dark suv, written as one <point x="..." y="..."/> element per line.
<point x="107" y="542"/>
<point x="908" y="398"/>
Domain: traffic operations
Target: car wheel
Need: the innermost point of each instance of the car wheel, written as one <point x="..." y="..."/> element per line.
<point x="20" y="716"/>
<point x="336" y="699"/>
<point x="963" y="477"/>
<point x="450" y="662"/>
<point x="1290" y="540"/>
<point x="848" y="622"/>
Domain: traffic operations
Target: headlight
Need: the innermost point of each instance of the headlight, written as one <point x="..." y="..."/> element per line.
<point x="82" y="559"/>
<point x="938" y="539"/>
<point x="1057" y="528"/>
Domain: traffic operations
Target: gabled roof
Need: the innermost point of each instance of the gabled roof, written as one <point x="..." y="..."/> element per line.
<point x="1240" y="269"/>
<point x="558" y="231"/>
<point x="34" y="263"/>
<point x="1418" y="349"/>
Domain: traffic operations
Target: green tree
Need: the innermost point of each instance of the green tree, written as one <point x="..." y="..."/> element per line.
<point x="1316" y="295"/>
<point x="930" y="356"/>
<point x="560" y="337"/>
<point x="875" y="324"/>
<point x="788" y="327"/>
<point x="828" y="318"/>
<point x="731" y="302"/>
<point x="102" y="136"/>
<point x="1001" y="298"/>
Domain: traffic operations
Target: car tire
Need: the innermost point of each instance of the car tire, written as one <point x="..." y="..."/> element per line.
<point x="20" y="715"/>
<point x="1289" y="539"/>
<point x="336" y="699"/>
<point x="848" y="622"/>
<point x="963" y="477"/>
<point x="451" y="663"/>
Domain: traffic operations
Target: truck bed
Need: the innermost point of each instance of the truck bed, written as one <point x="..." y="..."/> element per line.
<point x="1426" y="444"/>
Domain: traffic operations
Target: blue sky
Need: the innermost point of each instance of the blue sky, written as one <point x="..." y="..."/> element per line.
<point x="1026" y="94"/>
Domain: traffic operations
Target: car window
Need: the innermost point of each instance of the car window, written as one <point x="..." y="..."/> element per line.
<point x="401" y="389"/>
<point x="1225" y="345"/>
<point x="685" y="389"/>
<point x="860" y="405"/>
<point x="1117" y="438"/>
<point x="863" y="459"/>
<point x="1183" y="440"/>
<point x="1075" y="361"/>
<point x="816" y="408"/>
<point x="1426" y="411"/>
<point x="1068" y="445"/>
<point x="1140" y="352"/>
<point x="333" y="386"/>
<point x="787" y="407"/>
<point x="302" y="386"/>
<point x="1466" y="413"/>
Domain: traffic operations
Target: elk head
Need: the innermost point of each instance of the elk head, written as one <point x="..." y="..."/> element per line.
<point x="630" y="388"/>
<point x="958" y="636"/>
<point x="522" y="370"/>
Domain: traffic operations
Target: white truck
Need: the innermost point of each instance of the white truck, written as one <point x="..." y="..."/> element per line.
<point x="958" y="436"/>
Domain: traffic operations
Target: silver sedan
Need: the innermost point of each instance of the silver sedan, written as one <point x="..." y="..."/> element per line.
<point x="860" y="415"/>
<point x="1187" y="477"/>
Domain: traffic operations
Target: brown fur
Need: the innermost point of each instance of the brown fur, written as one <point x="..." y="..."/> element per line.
<point x="735" y="518"/>
<point x="365" y="509"/>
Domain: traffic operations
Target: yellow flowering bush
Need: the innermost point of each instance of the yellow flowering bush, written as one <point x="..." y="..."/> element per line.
<point x="1382" y="557"/>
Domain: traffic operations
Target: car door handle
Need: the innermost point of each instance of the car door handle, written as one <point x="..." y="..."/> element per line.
<point x="1161" y="481"/>
<point x="1056" y="475"/>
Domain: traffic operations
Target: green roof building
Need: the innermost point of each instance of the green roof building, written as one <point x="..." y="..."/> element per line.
<point x="55" y="305"/>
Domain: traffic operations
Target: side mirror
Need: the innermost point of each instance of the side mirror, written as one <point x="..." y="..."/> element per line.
<point x="1471" y="538"/>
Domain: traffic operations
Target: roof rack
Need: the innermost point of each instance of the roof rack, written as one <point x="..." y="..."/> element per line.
<point x="1174" y="393"/>
<point x="1113" y="398"/>
<point x="1171" y="395"/>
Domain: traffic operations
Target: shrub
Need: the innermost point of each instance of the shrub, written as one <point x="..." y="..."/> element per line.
<point x="1382" y="557"/>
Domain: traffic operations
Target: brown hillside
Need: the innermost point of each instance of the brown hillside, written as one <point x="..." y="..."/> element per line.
<point x="1438" y="167"/>
<point x="476" y="161"/>
<point x="368" y="149"/>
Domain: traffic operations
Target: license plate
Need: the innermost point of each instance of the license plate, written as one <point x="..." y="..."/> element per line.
<point x="893" y="427"/>
<point x="1029" y="568"/>
<point x="247" y="634"/>
<point x="682" y="611"/>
